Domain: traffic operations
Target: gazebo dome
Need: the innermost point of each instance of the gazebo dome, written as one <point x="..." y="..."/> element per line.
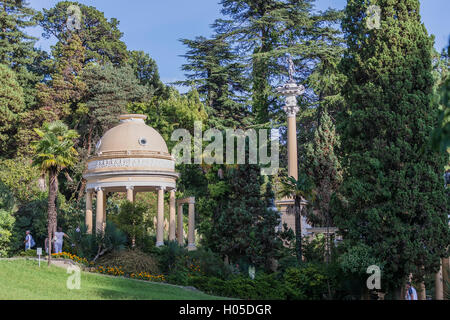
<point x="131" y="155"/>
<point x="132" y="134"/>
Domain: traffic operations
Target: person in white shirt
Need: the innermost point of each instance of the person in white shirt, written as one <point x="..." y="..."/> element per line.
<point x="411" y="293"/>
<point x="59" y="238"/>
<point x="28" y="240"/>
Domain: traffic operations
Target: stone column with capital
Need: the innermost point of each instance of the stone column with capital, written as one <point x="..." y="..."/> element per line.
<point x="160" y="219"/>
<point x="99" y="211"/>
<point x="291" y="90"/>
<point x="88" y="218"/>
<point x="180" y="235"/>
<point x="130" y="193"/>
<point x="191" y="230"/>
<point x="172" y="216"/>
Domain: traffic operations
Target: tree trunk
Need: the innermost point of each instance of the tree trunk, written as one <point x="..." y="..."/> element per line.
<point x="51" y="213"/>
<point x="298" y="230"/>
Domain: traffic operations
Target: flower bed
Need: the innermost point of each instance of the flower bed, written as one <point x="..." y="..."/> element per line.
<point x="66" y="255"/>
<point x="112" y="271"/>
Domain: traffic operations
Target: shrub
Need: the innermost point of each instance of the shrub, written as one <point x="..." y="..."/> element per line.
<point x="206" y="262"/>
<point x="90" y="246"/>
<point x="308" y="282"/>
<point x="172" y="258"/>
<point x="263" y="287"/>
<point x="28" y="253"/>
<point x="131" y="261"/>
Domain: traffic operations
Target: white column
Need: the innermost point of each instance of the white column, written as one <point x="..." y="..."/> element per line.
<point x="130" y="193"/>
<point x="160" y="218"/>
<point x="180" y="225"/>
<point x="88" y="219"/>
<point x="172" y="216"/>
<point x="99" y="211"/>
<point x="292" y="145"/>
<point x="439" y="287"/>
<point x="105" y="194"/>
<point x="191" y="231"/>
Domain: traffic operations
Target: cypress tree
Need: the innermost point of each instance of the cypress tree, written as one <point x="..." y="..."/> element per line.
<point x="11" y="104"/>
<point x="394" y="196"/>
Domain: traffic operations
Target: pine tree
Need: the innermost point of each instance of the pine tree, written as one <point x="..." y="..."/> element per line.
<point x="146" y="71"/>
<point x="394" y="198"/>
<point x="263" y="31"/>
<point x="213" y="70"/>
<point x="17" y="47"/>
<point x="66" y="88"/>
<point x="100" y="37"/>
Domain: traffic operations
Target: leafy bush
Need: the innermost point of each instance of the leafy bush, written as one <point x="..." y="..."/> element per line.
<point x="263" y="287"/>
<point x="92" y="246"/>
<point x="6" y="225"/>
<point x="28" y="253"/>
<point x="305" y="283"/>
<point x="130" y="261"/>
<point x="172" y="258"/>
<point x="208" y="263"/>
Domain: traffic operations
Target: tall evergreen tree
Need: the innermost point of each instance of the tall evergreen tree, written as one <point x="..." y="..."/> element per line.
<point x="324" y="168"/>
<point x="263" y="31"/>
<point x="236" y="219"/>
<point x="146" y="71"/>
<point x="11" y="104"/>
<point x="17" y="47"/>
<point x="100" y="37"/>
<point x="212" y="68"/>
<point x="66" y="88"/>
<point x="394" y="198"/>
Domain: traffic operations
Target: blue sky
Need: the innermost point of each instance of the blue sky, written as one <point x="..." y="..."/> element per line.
<point x="155" y="26"/>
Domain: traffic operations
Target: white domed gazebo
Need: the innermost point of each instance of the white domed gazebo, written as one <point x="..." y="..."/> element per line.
<point x="133" y="157"/>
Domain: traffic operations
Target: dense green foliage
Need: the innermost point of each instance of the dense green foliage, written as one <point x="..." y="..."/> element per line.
<point x="368" y="138"/>
<point x="394" y="202"/>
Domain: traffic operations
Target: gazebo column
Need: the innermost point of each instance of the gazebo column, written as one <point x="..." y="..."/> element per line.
<point x="105" y="194"/>
<point x="88" y="218"/>
<point x="191" y="231"/>
<point x="180" y="225"/>
<point x="172" y="216"/>
<point x="99" y="211"/>
<point x="160" y="219"/>
<point x="130" y="193"/>
<point x="439" y="284"/>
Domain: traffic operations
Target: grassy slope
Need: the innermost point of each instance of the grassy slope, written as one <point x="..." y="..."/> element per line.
<point x="23" y="279"/>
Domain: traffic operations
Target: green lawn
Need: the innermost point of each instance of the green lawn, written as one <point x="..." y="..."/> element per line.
<point x="23" y="279"/>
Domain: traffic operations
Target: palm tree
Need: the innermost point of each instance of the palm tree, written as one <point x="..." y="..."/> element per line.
<point x="54" y="152"/>
<point x="298" y="189"/>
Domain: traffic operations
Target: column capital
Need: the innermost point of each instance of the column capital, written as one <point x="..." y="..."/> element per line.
<point x="97" y="189"/>
<point x="291" y="110"/>
<point x="161" y="188"/>
<point x="130" y="187"/>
